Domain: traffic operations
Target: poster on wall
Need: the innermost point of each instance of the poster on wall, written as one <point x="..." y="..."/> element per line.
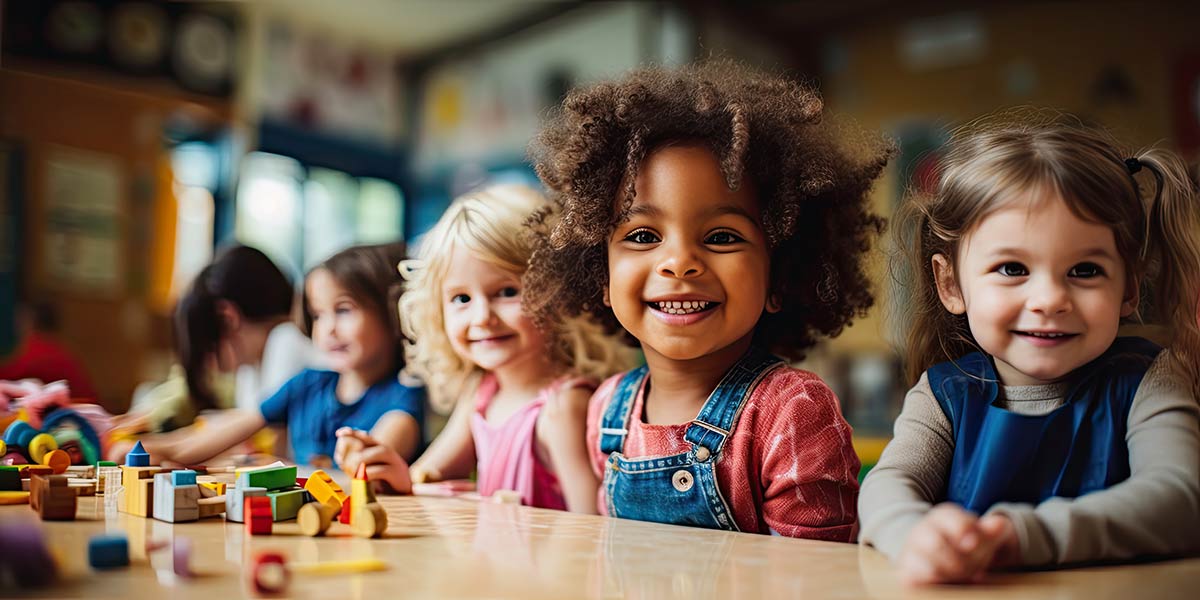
<point x="82" y="247"/>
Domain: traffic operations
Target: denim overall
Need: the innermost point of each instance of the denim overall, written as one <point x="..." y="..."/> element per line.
<point x="1002" y="456"/>
<point x="680" y="489"/>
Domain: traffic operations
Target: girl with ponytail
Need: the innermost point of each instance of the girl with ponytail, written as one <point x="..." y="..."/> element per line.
<point x="1034" y="435"/>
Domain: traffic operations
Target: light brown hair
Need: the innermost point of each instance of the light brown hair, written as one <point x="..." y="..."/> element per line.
<point x="991" y="163"/>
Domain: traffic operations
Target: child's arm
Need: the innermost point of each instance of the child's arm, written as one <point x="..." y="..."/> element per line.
<point x="808" y="468"/>
<point x="452" y="454"/>
<point x="1151" y="513"/>
<point x="911" y="474"/>
<point x="561" y="431"/>
<point x="219" y="434"/>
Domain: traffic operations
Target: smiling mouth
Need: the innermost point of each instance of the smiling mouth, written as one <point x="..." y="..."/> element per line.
<point x="494" y="338"/>
<point x="685" y="307"/>
<point x="1046" y="335"/>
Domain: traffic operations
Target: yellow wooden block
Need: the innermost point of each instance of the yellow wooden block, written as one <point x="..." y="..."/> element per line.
<point x="324" y="489"/>
<point x="315" y="518"/>
<point x="9" y="497"/>
<point x="132" y="499"/>
<point x="209" y="489"/>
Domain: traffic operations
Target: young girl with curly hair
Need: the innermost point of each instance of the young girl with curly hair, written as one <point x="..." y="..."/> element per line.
<point x="713" y="214"/>
<point x="521" y="396"/>
<point x="1034" y="435"/>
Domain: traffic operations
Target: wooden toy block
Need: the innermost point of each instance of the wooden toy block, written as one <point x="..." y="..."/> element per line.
<point x="323" y="488"/>
<point x="210" y="489"/>
<point x="286" y="503"/>
<point x="132" y="499"/>
<point x="257" y="511"/>
<point x="271" y="478"/>
<point x="58" y="460"/>
<point x="235" y="500"/>
<point x="369" y="521"/>
<point x="347" y="508"/>
<point x="211" y="507"/>
<point x="52" y="498"/>
<point x="39" y="446"/>
<point x="108" y="551"/>
<point x="175" y="503"/>
<point x="137" y="457"/>
<point x="28" y="471"/>
<point x="506" y="497"/>
<point x="179" y="478"/>
<point x="360" y="491"/>
<point x="10" y="478"/>
<point x="3" y="448"/>
<point x="268" y="574"/>
<point x="82" y="471"/>
<point x="11" y="497"/>
<point x="315" y="518"/>
<point x="82" y="487"/>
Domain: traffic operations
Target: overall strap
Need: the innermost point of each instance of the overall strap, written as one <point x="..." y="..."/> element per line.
<point x="717" y="417"/>
<point x="614" y="426"/>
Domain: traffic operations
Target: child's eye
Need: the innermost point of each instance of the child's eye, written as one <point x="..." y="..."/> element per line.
<point x="1086" y="270"/>
<point x="1012" y="269"/>
<point x="642" y="236"/>
<point x="723" y="238"/>
<point x="460" y="299"/>
<point x="509" y="292"/>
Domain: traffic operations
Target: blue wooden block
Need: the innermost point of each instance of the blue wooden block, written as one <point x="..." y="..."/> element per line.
<point x="108" y="551"/>
<point x="138" y="457"/>
<point x="183" y="478"/>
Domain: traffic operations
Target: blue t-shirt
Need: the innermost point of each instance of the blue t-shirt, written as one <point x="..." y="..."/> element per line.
<point x="308" y="405"/>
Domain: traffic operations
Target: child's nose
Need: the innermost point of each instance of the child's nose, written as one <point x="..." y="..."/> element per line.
<point x="481" y="312"/>
<point x="680" y="261"/>
<point x="1049" y="297"/>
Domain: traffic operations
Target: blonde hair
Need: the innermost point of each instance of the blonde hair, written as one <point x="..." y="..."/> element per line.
<point x="988" y="164"/>
<point x="491" y="224"/>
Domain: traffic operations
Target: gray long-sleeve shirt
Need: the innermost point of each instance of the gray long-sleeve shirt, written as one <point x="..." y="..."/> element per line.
<point x="1154" y="512"/>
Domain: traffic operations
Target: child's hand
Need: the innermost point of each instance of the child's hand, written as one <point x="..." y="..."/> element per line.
<point x="951" y="545"/>
<point x="356" y="447"/>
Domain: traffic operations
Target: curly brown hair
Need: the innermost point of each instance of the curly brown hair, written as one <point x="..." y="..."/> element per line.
<point x="811" y="178"/>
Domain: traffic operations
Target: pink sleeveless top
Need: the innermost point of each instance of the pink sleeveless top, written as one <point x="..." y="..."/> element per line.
<point x="506" y="453"/>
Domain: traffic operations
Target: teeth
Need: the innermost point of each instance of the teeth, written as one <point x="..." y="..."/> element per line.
<point x="1047" y="335"/>
<point x="682" y="308"/>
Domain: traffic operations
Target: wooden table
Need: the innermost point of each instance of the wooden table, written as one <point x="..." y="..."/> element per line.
<point x="453" y="548"/>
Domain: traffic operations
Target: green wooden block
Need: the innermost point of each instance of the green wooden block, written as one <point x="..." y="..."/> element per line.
<point x="277" y="478"/>
<point x="286" y="504"/>
<point x="10" y="478"/>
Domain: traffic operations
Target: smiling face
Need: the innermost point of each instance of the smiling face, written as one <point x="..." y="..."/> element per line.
<point x="689" y="271"/>
<point x="481" y="304"/>
<point x="352" y="337"/>
<point x="1043" y="290"/>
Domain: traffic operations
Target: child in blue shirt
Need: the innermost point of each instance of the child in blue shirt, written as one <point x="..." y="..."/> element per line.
<point x="347" y="312"/>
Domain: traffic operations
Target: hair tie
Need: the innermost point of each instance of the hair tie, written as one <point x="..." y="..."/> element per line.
<point x="1134" y="165"/>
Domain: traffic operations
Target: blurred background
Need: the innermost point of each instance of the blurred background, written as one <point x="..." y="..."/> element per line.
<point x="137" y="137"/>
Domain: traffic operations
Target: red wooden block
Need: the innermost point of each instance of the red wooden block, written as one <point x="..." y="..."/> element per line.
<point x="344" y="516"/>
<point x="257" y="514"/>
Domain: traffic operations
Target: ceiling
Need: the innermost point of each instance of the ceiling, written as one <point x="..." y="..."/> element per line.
<point x="407" y="27"/>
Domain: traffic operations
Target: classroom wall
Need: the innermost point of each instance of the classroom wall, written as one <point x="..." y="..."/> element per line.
<point x="115" y="125"/>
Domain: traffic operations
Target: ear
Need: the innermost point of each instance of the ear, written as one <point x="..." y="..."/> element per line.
<point x="607" y="301"/>
<point x="228" y="315"/>
<point x="774" y="304"/>
<point x="947" y="285"/>
<point x="1129" y="303"/>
